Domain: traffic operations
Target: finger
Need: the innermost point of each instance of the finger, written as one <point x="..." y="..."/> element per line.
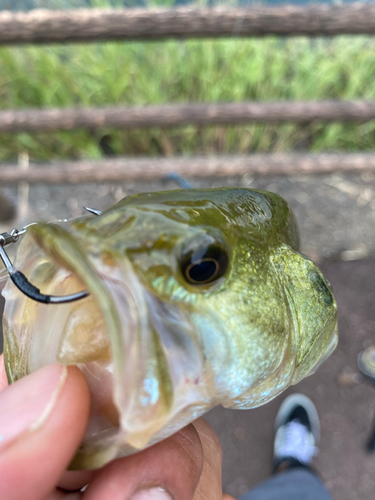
<point x="210" y="483"/>
<point x="70" y="480"/>
<point x="44" y="420"/>
<point x="75" y="480"/>
<point x="228" y="497"/>
<point x="61" y="495"/>
<point x="171" y="468"/>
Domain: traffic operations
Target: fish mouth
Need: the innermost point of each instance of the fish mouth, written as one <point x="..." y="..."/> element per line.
<point x="146" y="374"/>
<point x="160" y="378"/>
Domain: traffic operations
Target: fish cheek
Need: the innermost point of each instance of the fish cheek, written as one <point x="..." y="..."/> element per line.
<point x="313" y="308"/>
<point x="269" y="354"/>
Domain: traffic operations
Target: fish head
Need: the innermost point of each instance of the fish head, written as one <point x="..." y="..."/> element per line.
<point x="198" y="298"/>
<point x="225" y="264"/>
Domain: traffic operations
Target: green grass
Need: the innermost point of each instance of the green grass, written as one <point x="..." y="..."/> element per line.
<point x="192" y="71"/>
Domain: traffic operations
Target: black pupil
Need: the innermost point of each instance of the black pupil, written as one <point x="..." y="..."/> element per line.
<point x="203" y="271"/>
<point x="204" y="265"/>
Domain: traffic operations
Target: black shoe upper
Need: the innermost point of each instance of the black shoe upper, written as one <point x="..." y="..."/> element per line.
<point x="299" y="413"/>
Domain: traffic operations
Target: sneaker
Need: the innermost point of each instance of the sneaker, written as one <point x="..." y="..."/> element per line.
<point x="297" y="432"/>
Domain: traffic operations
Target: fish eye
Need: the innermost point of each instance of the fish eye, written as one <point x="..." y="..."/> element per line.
<point x="203" y="264"/>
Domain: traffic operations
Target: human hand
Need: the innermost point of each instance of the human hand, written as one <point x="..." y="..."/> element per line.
<point x="42" y="421"/>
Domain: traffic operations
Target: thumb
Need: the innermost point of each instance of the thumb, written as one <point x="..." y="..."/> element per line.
<point x="42" y="421"/>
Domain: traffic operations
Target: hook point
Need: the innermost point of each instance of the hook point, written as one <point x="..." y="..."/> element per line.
<point x="93" y="211"/>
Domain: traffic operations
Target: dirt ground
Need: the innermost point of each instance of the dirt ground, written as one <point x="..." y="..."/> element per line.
<point x="336" y="215"/>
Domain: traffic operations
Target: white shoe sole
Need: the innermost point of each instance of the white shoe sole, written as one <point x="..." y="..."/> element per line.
<point x="291" y="402"/>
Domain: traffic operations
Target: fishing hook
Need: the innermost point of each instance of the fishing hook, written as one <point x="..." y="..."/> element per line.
<point x="20" y="280"/>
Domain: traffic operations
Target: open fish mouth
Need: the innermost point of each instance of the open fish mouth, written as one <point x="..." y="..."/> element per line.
<point x="143" y="367"/>
<point x="160" y="371"/>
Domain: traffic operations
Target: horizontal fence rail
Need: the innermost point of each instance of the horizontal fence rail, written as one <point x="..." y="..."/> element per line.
<point x="123" y="169"/>
<point x="84" y="25"/>
<point x="183" y="114"/>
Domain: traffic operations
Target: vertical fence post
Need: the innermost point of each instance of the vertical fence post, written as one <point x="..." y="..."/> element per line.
<point x="23" y="188"/>
<point x="7" y="209"/>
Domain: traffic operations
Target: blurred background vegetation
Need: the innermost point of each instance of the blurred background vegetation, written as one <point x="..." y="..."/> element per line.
<point x="225" y="70"/>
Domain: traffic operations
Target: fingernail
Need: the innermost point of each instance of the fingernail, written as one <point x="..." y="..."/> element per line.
<point x="27" y="404"/>
<point x="152" y="494"/>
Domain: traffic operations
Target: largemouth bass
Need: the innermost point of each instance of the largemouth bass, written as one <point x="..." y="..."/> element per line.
<point x="197" y="298"/>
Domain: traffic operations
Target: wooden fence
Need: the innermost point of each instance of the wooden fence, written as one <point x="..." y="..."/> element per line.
<point x="185" y="114"/>
<point x="81" y="25"/>
<point x="40" y="26"/>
